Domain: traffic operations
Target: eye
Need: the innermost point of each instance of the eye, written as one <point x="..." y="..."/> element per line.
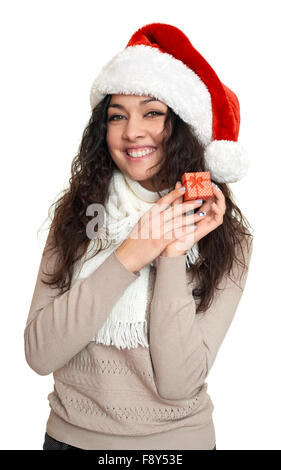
<point x="157" y="113"/>
<point x="114" y="116"/>
<point x="153" y="113"/>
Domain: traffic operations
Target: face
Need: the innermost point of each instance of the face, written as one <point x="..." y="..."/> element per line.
<point x="135" y="131"/>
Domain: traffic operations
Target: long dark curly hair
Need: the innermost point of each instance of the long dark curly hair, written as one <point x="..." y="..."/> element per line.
<point x="91" y="171"/>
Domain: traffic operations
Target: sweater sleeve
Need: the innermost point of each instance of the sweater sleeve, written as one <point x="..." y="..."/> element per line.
<point x="183" y="344"/>
<point x="58" y="328"/>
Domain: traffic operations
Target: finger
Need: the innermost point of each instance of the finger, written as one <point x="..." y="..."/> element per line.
<point x="218" y="213"/>
<point x="165" y="201"/>
<point x="189" y="231"/>
<point x="220" y="199"/>
<point x="180" y="198"/>
<point x="183" y="221"/>
<point x="213" y="220"/>
<point x="206" y="206"/>
<point x="186" y="242"/>
<point x="176" y="231"/>
<point x="179" y="209"/>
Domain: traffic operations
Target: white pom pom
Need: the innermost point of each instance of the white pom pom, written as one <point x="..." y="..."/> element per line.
<point x="226" y="160"/>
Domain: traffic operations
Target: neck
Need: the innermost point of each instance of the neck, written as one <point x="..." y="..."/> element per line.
<point x="142" y="190"/>
<point x="147" y="184"/>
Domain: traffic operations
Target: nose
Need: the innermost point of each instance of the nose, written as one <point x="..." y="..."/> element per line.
<point x="133" y="129"/>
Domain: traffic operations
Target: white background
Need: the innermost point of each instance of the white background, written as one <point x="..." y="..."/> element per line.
<point x="51" y="53"/>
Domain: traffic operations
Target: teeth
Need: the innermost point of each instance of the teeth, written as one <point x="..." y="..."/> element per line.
<point x="140" y="153"/>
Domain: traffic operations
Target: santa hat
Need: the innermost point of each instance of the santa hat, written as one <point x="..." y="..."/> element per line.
<point x="159" y="60"/>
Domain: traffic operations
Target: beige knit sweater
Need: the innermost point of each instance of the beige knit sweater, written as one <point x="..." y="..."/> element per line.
<point x="142" y="398"/>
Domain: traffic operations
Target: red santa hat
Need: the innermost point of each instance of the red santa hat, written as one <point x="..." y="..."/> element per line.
<point x="159" y="60"/>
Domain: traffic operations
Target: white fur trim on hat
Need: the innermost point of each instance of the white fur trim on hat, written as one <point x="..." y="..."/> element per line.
<point x="226" y="160"/>
<point x="145" y="70"/>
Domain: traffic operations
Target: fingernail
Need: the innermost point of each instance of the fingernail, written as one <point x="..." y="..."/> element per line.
<point x="213" y="184"/>
<point x="201" y="213"/>
<point x="183" y="188"/>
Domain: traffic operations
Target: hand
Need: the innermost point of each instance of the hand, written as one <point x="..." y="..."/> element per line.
<point x="215" y="209"/>
<point x="156" y="229"/>
<point x="180" y="246"/>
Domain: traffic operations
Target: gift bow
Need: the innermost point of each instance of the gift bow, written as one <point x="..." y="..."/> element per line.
<point x="196" y="180"/>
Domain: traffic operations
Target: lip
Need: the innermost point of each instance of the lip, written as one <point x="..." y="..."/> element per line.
<point x="138" y="147"/>
<point x="139" y="159"/>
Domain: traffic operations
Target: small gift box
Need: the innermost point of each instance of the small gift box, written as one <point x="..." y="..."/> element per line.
<point x="198" y="185"/>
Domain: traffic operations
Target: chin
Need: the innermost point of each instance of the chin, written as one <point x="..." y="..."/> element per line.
<point x="138" y="176"/>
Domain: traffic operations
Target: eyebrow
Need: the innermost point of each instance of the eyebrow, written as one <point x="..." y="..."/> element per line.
<point x="141" y="102"/>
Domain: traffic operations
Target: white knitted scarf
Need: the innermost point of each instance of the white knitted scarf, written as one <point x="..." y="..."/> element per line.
<point x="127" y="201"/>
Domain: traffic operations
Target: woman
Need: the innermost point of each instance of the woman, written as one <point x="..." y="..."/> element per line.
<point x="129" y="314"/>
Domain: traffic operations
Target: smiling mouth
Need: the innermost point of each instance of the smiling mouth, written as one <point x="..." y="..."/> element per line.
<point x="140" y="153"/>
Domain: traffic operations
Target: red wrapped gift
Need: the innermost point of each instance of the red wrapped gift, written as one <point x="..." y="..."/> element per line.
<point x="198" y="185"/>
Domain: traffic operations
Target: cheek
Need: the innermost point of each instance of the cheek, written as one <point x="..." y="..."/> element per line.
<point x="112" y="138"/>
<point x="158" y="130"/>
<point x="158" y="137"/>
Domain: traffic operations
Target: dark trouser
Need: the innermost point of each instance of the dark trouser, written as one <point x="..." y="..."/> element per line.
<point x="52" y="444"/>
